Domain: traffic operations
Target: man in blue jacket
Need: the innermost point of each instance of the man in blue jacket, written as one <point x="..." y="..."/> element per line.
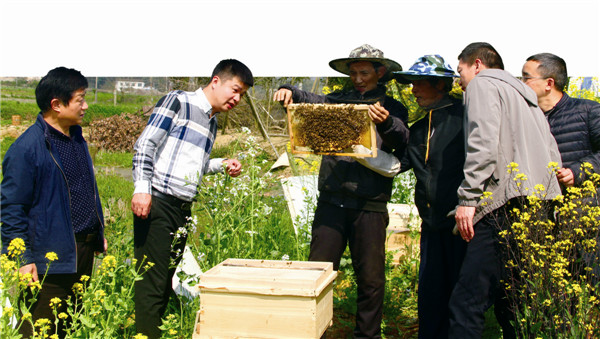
<point x="49" y="194"/>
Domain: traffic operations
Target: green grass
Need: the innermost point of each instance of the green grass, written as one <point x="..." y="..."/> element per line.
<point x="112" y="186"/>
<point x="17" y="92"/>
<point x="11" y="103"/>
<point x="100" y="111"/>
<point x="27" y="110"/>
<point x="5" y="144"/>
<point x="118" y="159"/>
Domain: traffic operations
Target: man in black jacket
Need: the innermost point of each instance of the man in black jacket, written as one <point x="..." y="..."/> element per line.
<point x="574" y="123"/>
<point x="436" y="153"/>
<point x="352" y="205"/>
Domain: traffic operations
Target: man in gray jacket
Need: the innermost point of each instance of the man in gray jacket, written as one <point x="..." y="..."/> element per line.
<point x="504" y="125"/>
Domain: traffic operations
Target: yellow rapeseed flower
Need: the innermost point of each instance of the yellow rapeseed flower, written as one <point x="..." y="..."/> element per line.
<point x="16" y="247"/>
<point x="78" y="288"/>
<point x="520" y="177"/>
<point x="8" y="310"/>
<point x="109" y="262"/>
<point x="7" y="264"/>
<point x="55" y="302"/>
<point x="84" y="278"/>
<point x="140" y="336"/>
<point x="512" y="167"/>
<point x="487" y="195"/>
<point x="63" y="315"/>
<point x="33" y="285"/>
<point x="41" y="322"/>
<point x="51" y="256"/>
<point x="553" y="165"/>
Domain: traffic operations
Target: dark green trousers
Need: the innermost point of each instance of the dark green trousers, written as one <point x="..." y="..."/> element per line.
<point x="364" y="232"/>
<point x="156" y="241"/>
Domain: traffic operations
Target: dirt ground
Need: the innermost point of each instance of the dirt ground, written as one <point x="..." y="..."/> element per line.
<point x="12" y="130"/>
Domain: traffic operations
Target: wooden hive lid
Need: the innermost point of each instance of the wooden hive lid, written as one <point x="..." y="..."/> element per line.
<point x="269" y="277"/>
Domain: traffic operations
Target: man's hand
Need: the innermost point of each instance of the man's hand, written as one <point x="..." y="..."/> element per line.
<point x="283" y="95"/>
<point x="377" y="113"/>
<point x="232" y="167"/>
<point x="140" y="204"/>
<point x="30" y="268"/>
<point x="464" y="221"/>
<point x="565" y="176"/>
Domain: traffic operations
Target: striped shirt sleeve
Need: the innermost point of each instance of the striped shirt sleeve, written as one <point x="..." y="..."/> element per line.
<point x="154" y="134"/>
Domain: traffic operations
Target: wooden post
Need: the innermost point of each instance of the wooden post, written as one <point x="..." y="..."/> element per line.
<point x="314" y="86"/>
<point x="260" y="125"/>
<point x="225" y="122"/>
<point x="96" y="92"/>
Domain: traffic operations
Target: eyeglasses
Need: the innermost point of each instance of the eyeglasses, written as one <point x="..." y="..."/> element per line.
<point x="525" y="79"/>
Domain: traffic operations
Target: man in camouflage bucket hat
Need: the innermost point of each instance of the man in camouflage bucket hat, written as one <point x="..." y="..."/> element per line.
<point x="366" y="52"/>
<point x="436" y="153"/>
<point x="352" y="205"/>
<point x="426" y="67"/>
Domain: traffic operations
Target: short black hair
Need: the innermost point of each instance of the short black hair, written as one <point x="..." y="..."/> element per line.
<point x="230" y="68"/>
<point x="482" y="51"/>
<point x="552" y="66"/>
<point x="60" y="83"/>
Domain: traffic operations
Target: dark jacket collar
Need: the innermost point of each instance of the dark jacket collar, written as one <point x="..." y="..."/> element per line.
<point x="559" y="105"/>
<point x="75" y="131"/>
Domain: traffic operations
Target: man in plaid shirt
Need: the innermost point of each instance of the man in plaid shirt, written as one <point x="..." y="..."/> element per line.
<point x="171" y="155"/>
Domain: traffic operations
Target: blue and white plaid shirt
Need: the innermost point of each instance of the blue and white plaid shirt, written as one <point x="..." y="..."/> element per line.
<point x="172" y="154"/>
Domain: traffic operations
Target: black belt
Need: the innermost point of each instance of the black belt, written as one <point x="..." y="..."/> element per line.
<point x="171" y="200"/>
<point x="86" y="237"/>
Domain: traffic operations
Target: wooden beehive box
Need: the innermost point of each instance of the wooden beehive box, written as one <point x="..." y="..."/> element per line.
<point x="330" y="122"/>
<point x="403" y="220"/>
<point x="244" y="298"/>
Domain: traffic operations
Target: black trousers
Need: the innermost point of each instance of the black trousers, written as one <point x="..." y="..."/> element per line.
<point x="154" y="241"/>
<point x="442" y="254"/>
<point x="365" y="232"/>
<point x="59" y="286"/>
<point x="479" y="286"/>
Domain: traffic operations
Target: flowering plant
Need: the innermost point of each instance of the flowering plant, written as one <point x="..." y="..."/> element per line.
<point x="551" y="260"/>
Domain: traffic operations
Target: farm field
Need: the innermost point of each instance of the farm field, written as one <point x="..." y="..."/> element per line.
<point x="245" y="217"/>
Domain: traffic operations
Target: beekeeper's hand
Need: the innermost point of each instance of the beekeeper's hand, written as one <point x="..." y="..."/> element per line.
<point x="283" y="95"/>
<point x="378" y="113"/>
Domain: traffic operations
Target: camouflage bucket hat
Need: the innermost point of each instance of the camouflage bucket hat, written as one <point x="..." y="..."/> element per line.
<point x="365" y="53"/>
<point x="432" y="65"/>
